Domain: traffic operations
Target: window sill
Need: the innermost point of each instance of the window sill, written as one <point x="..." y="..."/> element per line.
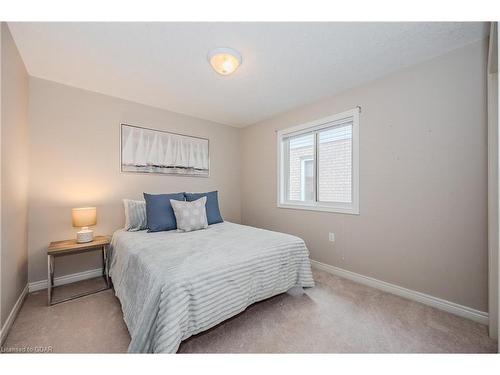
<point x="321" y="208"/>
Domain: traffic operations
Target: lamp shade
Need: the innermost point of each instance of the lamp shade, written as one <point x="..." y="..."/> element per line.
<point x="84" y="216"/>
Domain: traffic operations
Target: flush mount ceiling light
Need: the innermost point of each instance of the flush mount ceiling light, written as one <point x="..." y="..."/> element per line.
<point x="224" y="60"/>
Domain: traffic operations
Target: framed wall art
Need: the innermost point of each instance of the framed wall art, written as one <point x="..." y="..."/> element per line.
<point x="146" y="150"/>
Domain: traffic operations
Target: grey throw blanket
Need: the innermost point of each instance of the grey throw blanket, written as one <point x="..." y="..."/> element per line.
<point x="173" y="285"/>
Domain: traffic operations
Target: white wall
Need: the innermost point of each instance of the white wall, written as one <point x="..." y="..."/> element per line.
<point x="75" y="161"/>
<point x="423" y="180"/>
<point x="14" y="174"/>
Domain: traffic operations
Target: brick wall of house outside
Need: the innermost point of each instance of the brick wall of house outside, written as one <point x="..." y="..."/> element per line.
<point x="335" y="168"/>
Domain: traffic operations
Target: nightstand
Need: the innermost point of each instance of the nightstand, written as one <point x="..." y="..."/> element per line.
<point x="68" y="247"/>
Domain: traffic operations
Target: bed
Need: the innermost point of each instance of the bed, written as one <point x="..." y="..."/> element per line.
<point x="174" y="285"/>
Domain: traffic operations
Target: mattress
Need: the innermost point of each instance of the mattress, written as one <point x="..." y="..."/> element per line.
<point x="173" y="285"/>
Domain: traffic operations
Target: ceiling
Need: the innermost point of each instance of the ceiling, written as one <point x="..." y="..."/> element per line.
<point x="285" y="65"/>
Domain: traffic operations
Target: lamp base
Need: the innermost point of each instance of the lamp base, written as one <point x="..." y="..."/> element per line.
<point x="85" y="235"/>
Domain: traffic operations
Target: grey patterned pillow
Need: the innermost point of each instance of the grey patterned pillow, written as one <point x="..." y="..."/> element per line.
<point x="190" y="215"/>
<point x="135" y="215"/>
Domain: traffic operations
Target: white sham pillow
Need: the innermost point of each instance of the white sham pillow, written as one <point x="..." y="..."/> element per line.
<point x="135" y="215"/>
<point x="190" y="215"/>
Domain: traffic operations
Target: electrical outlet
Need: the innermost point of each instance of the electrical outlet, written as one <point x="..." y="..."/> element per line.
<point x="331" y="237"/>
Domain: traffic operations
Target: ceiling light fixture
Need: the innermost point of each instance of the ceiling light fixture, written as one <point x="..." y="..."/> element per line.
<point x="224" y="60"/>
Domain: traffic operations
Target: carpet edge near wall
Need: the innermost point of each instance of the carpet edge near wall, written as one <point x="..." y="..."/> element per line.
<point x="13" y="314"/>
<point x="413" y="295"/>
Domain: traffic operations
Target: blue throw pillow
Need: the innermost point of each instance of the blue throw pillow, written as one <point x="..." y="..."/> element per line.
<point x="212" y="205"/>
<point x="159" y="213"/>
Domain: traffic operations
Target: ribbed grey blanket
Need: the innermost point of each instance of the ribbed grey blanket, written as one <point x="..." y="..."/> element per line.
<point x="173" y="285"/>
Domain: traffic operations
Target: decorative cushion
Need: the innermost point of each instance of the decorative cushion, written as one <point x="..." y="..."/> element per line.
<point x="159" y="213"/>
<point x="190" y="215"/>
<point x="213" y="212"/>
<point x="135" y="215"/>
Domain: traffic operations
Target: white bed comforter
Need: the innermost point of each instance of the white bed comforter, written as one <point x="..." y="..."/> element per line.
<point x="173" y="285"/>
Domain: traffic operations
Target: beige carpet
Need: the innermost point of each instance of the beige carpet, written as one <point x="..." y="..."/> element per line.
<point x="336" y="316"/>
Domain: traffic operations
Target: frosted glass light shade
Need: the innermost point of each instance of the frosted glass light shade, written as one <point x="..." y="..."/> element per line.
<point x="84" y="216"/>
<point x="224" y="60"/>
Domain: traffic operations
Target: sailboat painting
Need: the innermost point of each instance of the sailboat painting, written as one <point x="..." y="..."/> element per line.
<point x="154" y="151"/>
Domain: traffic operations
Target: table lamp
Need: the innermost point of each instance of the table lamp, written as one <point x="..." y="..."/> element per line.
<point x="84" y="217"/>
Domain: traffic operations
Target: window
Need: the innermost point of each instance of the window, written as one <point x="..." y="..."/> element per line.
<point x="318" y="164"/>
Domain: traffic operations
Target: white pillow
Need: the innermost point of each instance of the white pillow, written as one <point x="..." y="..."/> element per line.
<point x="190" y="215"/>
<point x="135" y="215"/>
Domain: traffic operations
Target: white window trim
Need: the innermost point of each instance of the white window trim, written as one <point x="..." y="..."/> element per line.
<point x="351" y="208"/>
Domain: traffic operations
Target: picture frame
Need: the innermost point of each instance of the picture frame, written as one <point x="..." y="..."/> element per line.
<point x="152" y="151"/>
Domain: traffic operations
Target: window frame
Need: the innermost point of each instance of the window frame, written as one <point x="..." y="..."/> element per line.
<point x="283" y="165"/>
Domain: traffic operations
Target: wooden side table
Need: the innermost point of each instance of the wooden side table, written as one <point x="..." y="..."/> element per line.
<point x="61" y="248"/>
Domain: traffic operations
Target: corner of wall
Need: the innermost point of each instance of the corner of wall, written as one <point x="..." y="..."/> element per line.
<point x="13" y="175"/>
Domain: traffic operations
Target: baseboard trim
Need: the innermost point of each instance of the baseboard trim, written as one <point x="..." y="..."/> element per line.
<point x="13" y="314"/>
<point x="66" y="279"/>
<point x="438" y="303"/>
